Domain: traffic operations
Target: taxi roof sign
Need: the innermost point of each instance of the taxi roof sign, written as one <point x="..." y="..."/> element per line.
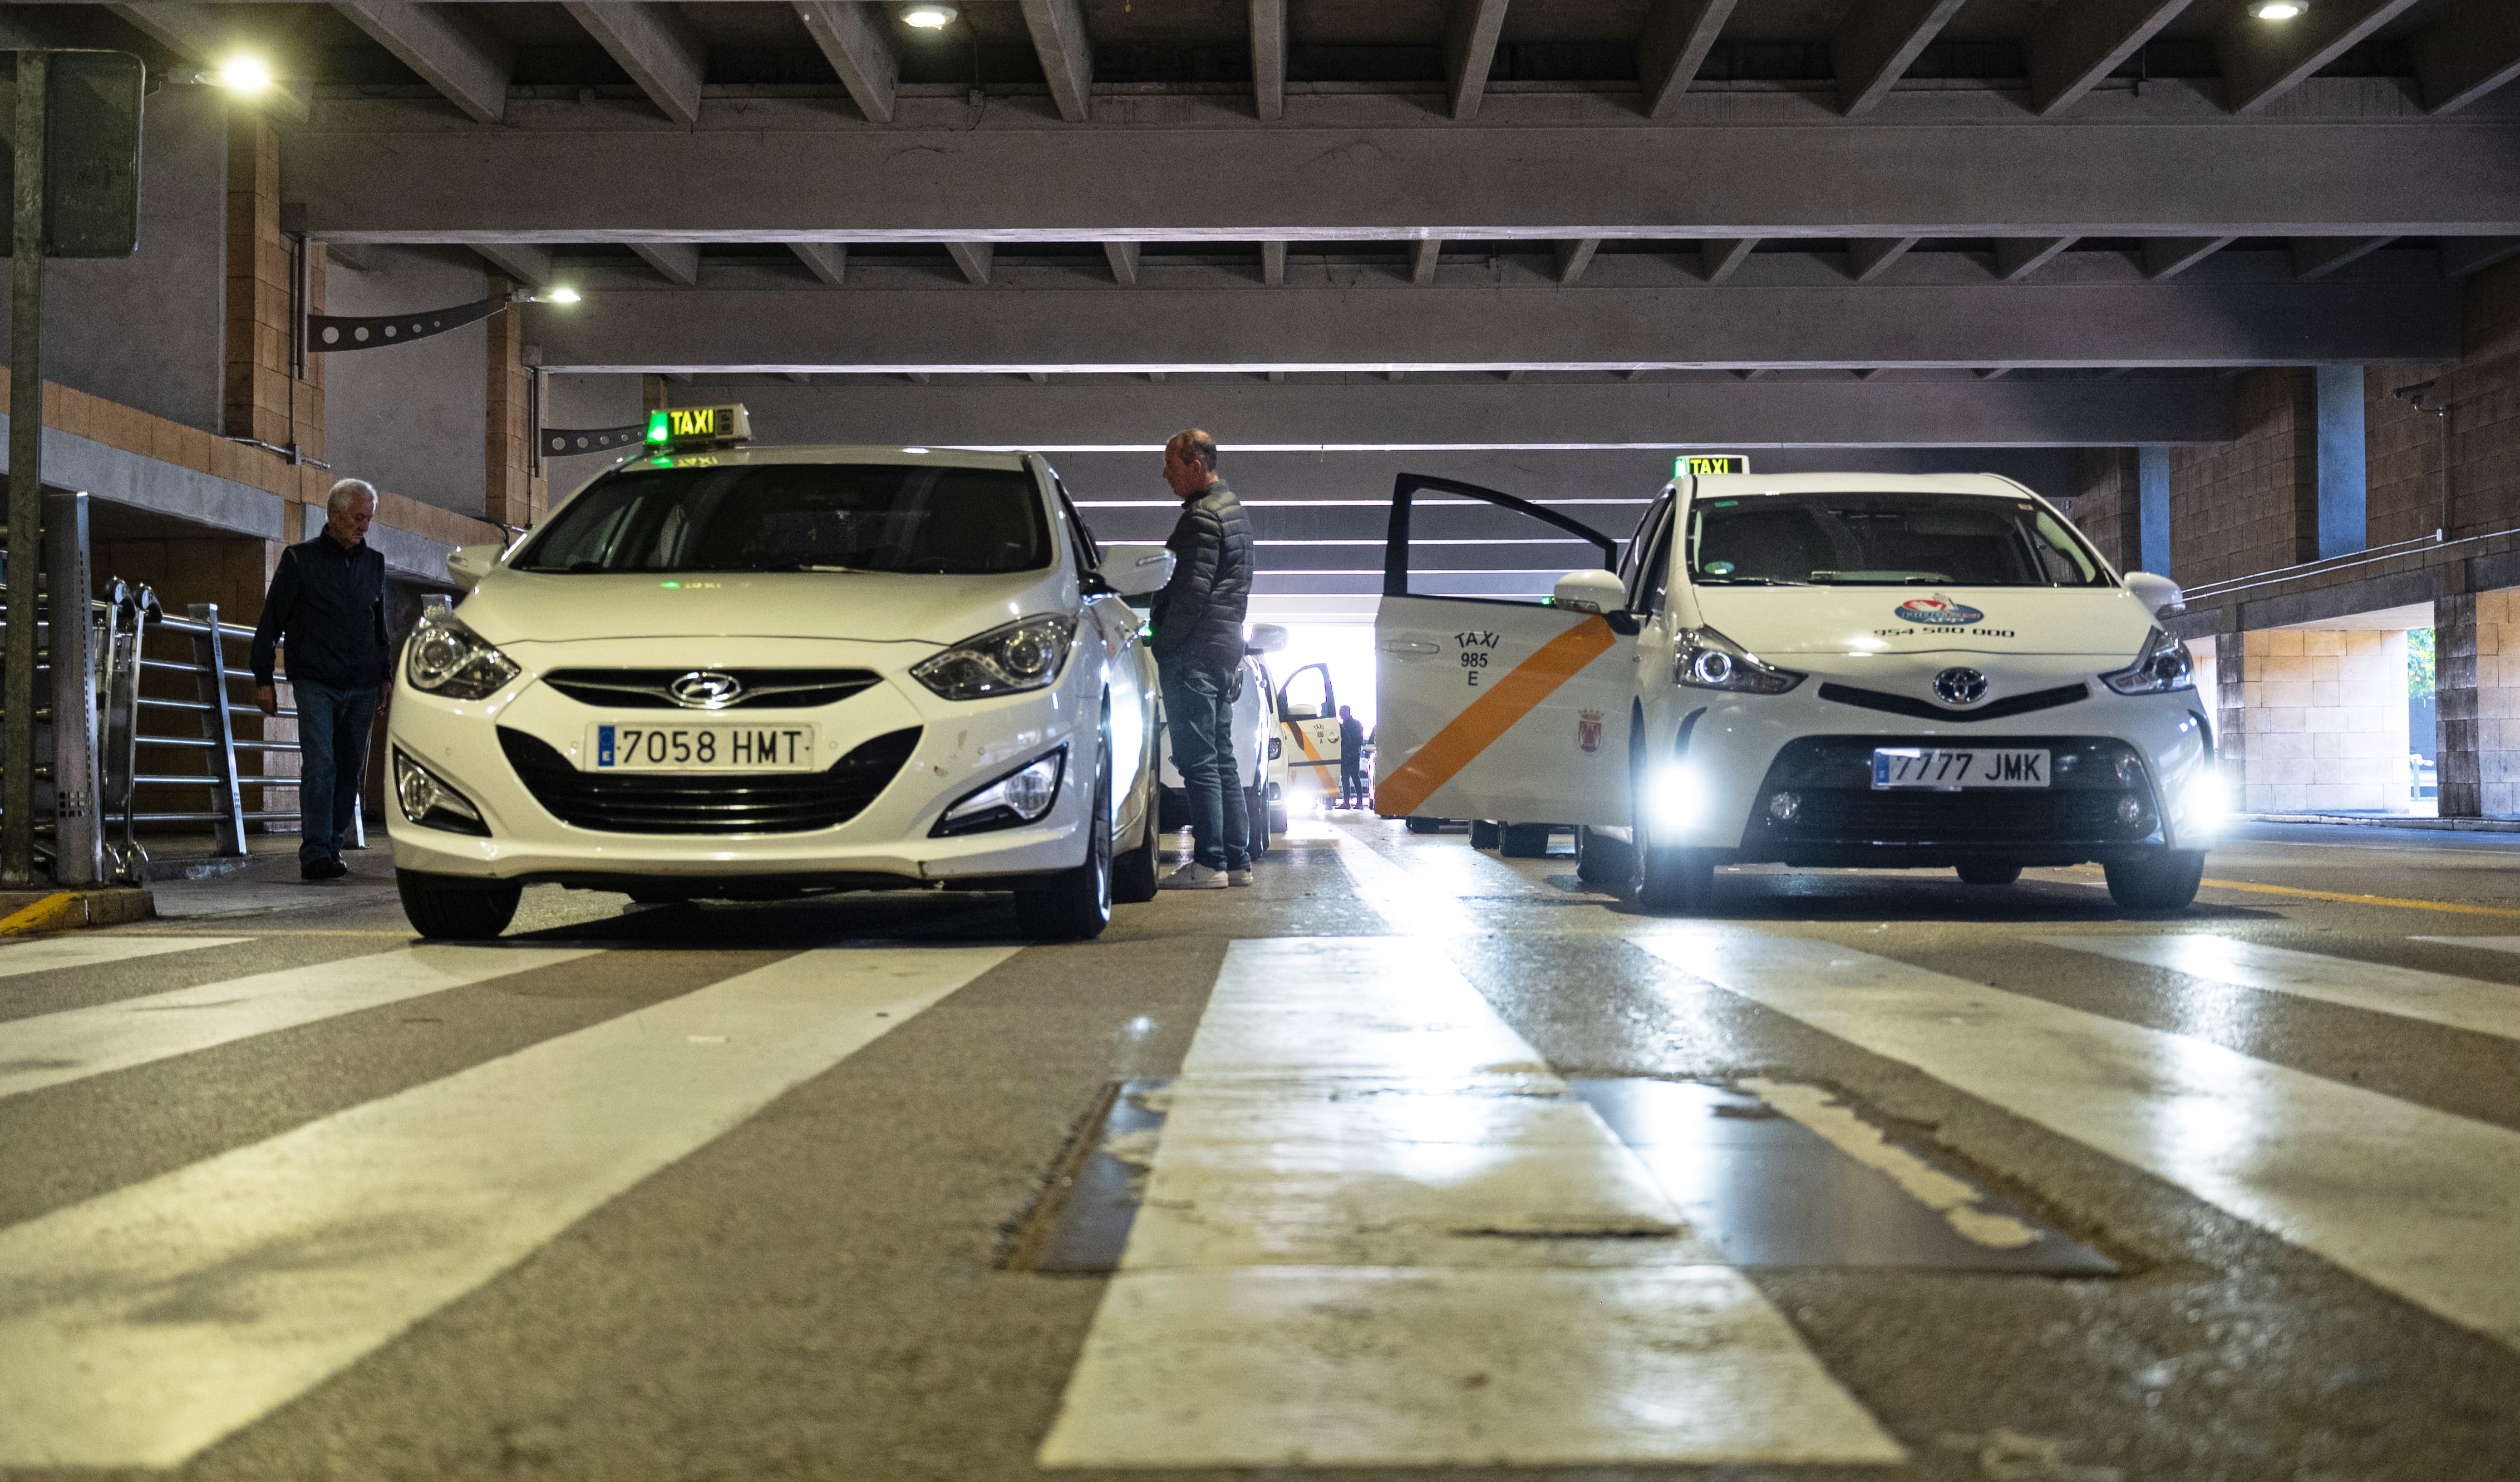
<point x="698" y="426"/>
<point x="1691" y="464"/>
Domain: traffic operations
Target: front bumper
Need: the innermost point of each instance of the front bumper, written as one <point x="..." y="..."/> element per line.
<point x="894" y="758"/>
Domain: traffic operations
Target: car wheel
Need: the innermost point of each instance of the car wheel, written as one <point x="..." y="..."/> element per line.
<point x="1598" y="858"/>
<point x="1660" y="877"/>
<point x="2165" y="881"/>
<point x="1524" y="842"/>
<point x="1486" y="834"/>
<point x="1076" y="905"/>
<point x="1277" y="817"/>
<point x="1255" y="804"/>
<point x="444" y="906"/>
<point x="1133" y="875"/>
<point x="1989" y="873"/>
<point x="1427" y="825"/>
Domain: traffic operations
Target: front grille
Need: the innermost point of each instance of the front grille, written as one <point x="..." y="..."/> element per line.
<point x="1832" y="779"/>
<point x="763" y="689"/>
<point x="1920" y="709"/>
<point x="778" y="802"/>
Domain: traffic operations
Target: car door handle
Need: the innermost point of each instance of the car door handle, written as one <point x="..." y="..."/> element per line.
<point x="1409" y="646"/>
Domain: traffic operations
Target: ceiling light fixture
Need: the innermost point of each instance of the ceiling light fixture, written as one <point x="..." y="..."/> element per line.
<point x="927" y="17"/>
<point x="2277" y="9"/>
<point x="243" y="74"/>
<point x="553" y="296"/>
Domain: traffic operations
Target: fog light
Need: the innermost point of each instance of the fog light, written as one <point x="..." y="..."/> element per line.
<point x="2129" y="810"/>
<point x="2203" y="806"/>
<point x="427" y="800"/>
<point x="1672" y="795"/>
<point x="1021" y="797"/>
<point x="1785" y="806"/>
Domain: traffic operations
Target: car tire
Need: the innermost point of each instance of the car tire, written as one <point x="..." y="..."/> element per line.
<point x="2165" y="881"/>
<point x="1076" y="905"/>
<point x="1523" y="841"/>
<point x="657" y="895"/>
<point x="1277" y="817"/>
<point x="1989" y="873"/>
<point x="1659" y="877"/>
<point x="1427" y="825"/>
<point x="441" y="907"/>
<point x="1133" y="875"/>
<point x="1255" y="805"/>
<point x="1486" y="834"/>
<point x="1598" y="858"/>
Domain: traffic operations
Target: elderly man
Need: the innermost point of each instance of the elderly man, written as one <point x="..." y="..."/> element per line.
<point x="326" y="606"/>
<point x="1199" y="651"/>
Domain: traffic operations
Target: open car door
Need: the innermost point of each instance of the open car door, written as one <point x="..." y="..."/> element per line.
<point x="1496" y="703"/>
<point x="1309" y="708"/>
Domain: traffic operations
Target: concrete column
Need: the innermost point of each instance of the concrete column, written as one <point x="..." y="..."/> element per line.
<point x="2454" y="674"/>
<point x="257" y="390"/>
<point x="2229" y="702"/>
<point x="512" y="495"/>
<point x="2152" y="506"/>
<point x="2343" y="526"/>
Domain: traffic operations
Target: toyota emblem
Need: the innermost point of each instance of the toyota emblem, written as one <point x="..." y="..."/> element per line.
<point x="708" y="690"/>
<point x="1961" y="687"/>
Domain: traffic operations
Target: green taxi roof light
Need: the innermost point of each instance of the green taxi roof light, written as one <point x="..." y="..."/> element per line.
<point x="658" y="432"/>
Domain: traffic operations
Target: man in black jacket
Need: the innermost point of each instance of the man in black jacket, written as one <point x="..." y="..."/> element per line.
<point x="1199" y="651"/>
<point x="328" y="604"/>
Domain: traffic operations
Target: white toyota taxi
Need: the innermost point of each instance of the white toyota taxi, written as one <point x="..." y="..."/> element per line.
<point x="731" y="671"/>
<point x="1820" y="670"/>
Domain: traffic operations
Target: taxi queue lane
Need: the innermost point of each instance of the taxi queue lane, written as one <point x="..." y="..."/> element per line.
<point x="1408" y="1157"/>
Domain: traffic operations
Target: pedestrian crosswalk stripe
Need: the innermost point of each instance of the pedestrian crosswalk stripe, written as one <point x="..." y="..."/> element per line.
<point x="1378" y="1231"/>
<point x="1407" y="903"/>
<point x="2410" y="993"/>
<point x="56" y="953"/>
<point x="146" y="1324"/>
<point x="52" y="1048"/>
<point x="2418" y="1201"/>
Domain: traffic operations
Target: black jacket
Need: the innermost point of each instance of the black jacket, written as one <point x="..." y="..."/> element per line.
<point x="328" y="604"/>
<point x="1198" y="614"/>
<point x="1351" y="742"/>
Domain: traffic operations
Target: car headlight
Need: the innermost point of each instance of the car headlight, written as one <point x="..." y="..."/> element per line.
<point x="427" y="800"/>
<point x="1021" y="797"/>
<point x="2163" y="665"/>
<point x="449" y="658"/>
<point x="1022" y="655"/>
<point x="1708" y="660"/>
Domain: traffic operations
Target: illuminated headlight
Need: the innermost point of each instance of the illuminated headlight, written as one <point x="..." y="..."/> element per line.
<point x="1021" y="797"/>
<point x="427" y="800"/>
<point x="2163" y="665"/>
<point x="1022" y="655"/>
<point x="448" y="659"/>
<point x="1672" y="797"/>
<point x="1708" y="660"/>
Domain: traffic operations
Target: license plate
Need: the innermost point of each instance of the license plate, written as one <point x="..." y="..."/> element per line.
<point x="1955" y="768"/>
<point x="639" y="747"/>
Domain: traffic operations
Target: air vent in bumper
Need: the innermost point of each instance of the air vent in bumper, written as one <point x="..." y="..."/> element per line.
<point x="780" y="802"/>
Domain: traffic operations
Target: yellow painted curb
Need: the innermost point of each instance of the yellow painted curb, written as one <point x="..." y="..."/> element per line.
<point x="70" y="910"/>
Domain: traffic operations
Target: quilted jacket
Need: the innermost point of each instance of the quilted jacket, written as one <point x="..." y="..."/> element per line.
<point x="1198" y="614"/>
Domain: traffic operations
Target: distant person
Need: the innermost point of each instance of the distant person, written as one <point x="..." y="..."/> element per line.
<point x="1199" y="651"/>
<point x="327" y="608"/>
<point x="1351" y="759"/>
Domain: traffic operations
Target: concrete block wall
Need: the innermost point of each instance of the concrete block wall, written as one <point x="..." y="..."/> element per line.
<point x="2236" y="507"/>
<point x="2327" y="719"/>
<point x="2497" y="703"/>
<point x="2107" y="504"/>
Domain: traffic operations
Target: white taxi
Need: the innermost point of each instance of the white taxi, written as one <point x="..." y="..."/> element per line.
<point x="727" y="671"/>
<point x="1820" y="670"/>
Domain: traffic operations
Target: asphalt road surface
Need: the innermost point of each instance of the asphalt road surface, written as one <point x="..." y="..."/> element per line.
<point x="1405" y="1161"/>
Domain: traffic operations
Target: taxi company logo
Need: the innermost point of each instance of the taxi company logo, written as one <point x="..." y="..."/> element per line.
<point x="1938" y="610"/>
<point x="1961" y="687"/>
<point x="1587" y="729"/>
<point x="705" y="690"/>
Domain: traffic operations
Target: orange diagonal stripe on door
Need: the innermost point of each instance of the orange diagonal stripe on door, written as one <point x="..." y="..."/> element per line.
<point x="1489" y="716"/>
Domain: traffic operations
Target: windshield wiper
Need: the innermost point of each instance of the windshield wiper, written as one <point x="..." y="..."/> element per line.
<point x="807" y="565"/>
<point x="1745" y="581"/>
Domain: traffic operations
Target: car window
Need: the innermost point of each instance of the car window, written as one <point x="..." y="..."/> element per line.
<point x="1089" y="551"/>
<point x="797" y="517"/>
<point x="1877" y="539"/>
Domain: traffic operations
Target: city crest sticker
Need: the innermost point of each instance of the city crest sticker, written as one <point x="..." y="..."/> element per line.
<point x="1937" y="611"/>
<point x="1587" y="729"/>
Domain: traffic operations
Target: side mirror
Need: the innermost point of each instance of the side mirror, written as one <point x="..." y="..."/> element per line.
<point x="1137" y="570"/>
<point x="1593" y="591"/>
<point x="468" y="565"/>
<point x="2158" y="594"/>
<point x="1266" y="638"/>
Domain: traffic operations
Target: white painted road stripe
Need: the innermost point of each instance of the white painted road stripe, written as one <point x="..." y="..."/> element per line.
<point x="1399" y="897"/>
<point x="2418" y="1201"/>
<point x="77" y="1043"/>
<point x="55" y="953"/>
<point x="146" y="1324"/>
<point x="1373" y="1235"/>
<point x="2408" y="992"/>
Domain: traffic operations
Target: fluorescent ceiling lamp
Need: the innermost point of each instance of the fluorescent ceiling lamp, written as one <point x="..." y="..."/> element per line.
<point x="927" y="17"/>
<point x="243" y="74"/>
<point x="2277" y="9"/>
<point x="559" y="296"/>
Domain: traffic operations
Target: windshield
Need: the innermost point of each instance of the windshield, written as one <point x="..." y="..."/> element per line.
<point x="799" y="517"/>
<point x="1885" y="540"/>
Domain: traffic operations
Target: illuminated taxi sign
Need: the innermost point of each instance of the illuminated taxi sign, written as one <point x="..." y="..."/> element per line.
<point x="698" y="426"/>
<point x="1693" y="464"/>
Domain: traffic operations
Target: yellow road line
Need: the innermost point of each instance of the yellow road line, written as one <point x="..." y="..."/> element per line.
<point x="51" y="914"/>
<point x="2452" y="907"/>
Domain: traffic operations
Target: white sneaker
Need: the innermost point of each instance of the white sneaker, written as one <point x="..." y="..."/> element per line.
<point x="1237" y="877"/>
<point x="1193" y="877"/>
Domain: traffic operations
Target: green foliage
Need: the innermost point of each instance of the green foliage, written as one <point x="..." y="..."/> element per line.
<point x="2419" y="662"/>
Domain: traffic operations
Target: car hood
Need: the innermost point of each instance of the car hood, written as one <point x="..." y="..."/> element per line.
<point x="2099" y="624"/>
<point x="510" y="606"/>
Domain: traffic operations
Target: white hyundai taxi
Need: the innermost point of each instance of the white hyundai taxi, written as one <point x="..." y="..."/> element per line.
<point x="1820" y="670"/>
<point x="753" y="672"/>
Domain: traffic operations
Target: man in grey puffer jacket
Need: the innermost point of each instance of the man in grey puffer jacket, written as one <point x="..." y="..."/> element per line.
<point x="1199" y="650"/>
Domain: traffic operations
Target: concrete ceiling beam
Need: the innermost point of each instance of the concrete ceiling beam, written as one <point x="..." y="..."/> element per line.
<point x="449" y="47"/>
<point x="1066" y="54"/>
<point x="1423" y="254"/>
<point x="2472" y="50"/>
<point x="1273" y="264"/>
<point x="852" y="39"/>
<point x="1868" y="258"/>
<point x="1269" y="58"/>
<point x="2262" y="60"/>
<point x="973" y="258"/>
<point x="827" y="261"/>
<point x="1878" y="45"/>
<point x="526" y="264"/>
<point x="1719" y="257"/>
<point x="1573" y="258"/>
<point x="1469" y="51"/>
<point x="2077" y="45"/>
<point x="1673" y="46"/>
<point x="2314" y="257"/>
<point x="2165" y="257"/>
<point x="1123" y="257"/>
<point x="1842" y="325"/>
<point x="2462" y="256"/>
<point x="655" y="46"/>
<point x="2017" y="257"/>
<point x="677" y="262"/>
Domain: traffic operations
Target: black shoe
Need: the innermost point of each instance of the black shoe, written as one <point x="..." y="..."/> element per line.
<point x="321" y="869"/>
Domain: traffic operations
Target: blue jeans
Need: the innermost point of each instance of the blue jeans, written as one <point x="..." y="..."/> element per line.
<point x="1201" y="722"/>
<point x="332" y="755"/>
